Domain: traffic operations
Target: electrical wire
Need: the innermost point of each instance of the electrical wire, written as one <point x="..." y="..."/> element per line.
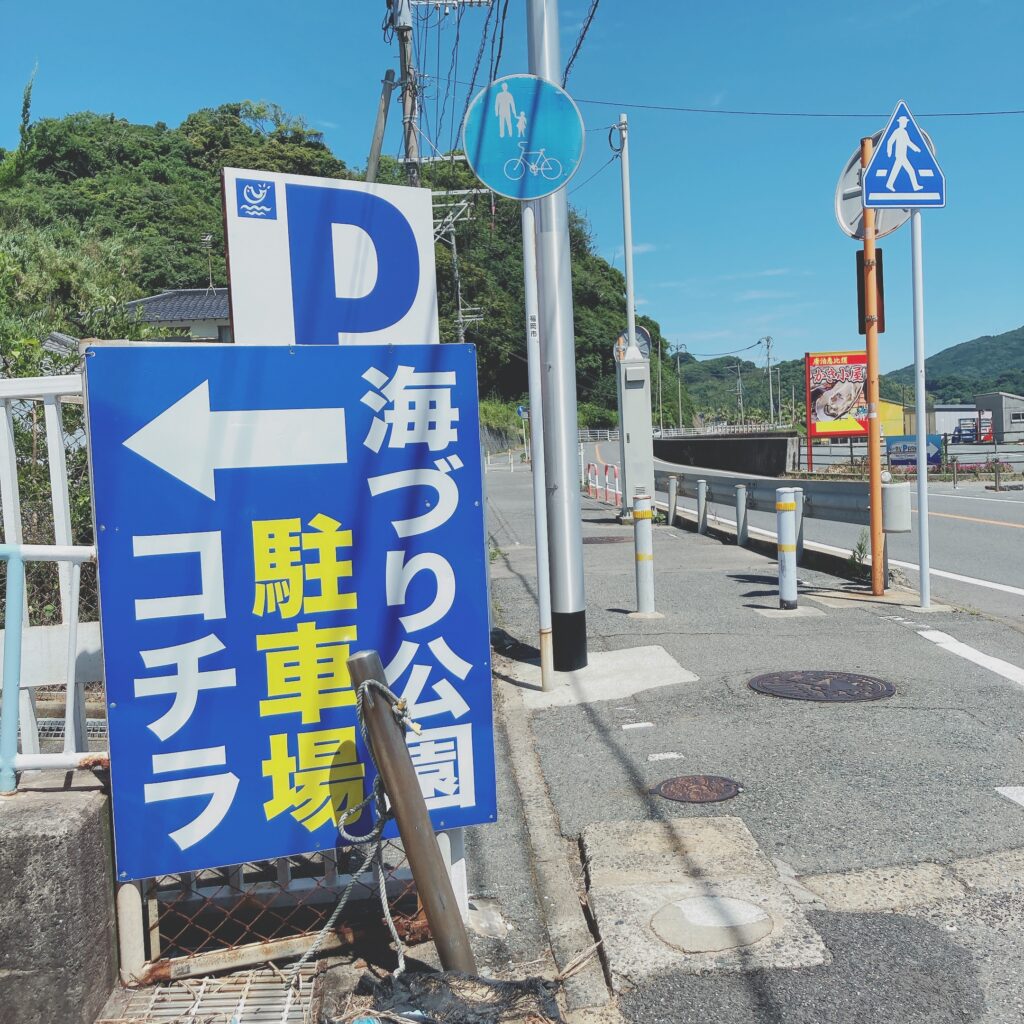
<point x="584" y="28"/>
<point x="501" y="42"/>
<point x="610" y="160"/>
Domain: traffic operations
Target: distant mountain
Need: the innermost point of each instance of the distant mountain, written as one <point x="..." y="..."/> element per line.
<point x="957" y="374"/>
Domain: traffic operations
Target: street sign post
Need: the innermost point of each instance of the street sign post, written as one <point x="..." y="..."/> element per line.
<point x="321" y="261"/>
<point x="904" y="173"/>
<point x="262" y="512"/>
<point x="902" y="450"/>
<point x="523" y="137"/>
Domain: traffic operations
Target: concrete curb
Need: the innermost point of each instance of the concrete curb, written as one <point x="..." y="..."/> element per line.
<point x="568" y="933"/>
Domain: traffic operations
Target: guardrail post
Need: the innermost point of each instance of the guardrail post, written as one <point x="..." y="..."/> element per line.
<point x="785" y="526"/>
<point x="702" y="506"/>
<point x="742" y="535"/>
<point x="511" y="463"/>
<point x="998" y="487"/>
<point x="798" y="495"/>
<point x="15" y="597"/>
<point x="673" y="498"/>
<point x="954" y="461"/>
<point x="643" y="544"/>
<point x="583" y="471"/>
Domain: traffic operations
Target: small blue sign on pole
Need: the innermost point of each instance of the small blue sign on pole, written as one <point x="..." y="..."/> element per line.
<point x="523" y="137"/>
<point x="903" y="172"/>
<point x="262" y="513"/>
<point x="902" y="450"/>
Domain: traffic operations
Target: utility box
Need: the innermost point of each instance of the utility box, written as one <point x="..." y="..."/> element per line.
<point x="636" y="434"/>
<point x="896" y="508"/>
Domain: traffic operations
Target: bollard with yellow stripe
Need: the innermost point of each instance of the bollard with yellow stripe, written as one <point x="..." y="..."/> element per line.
<point x="785" y="527"/>
<point x="643" y="543"/>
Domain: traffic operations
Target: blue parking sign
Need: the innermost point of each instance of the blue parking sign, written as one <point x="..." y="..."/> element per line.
<point x="261" y="513"/>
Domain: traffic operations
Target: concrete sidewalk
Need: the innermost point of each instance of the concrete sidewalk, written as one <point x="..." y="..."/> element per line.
<point x="873" y="836"/>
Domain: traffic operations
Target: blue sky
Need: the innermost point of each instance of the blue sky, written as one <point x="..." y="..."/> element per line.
<point x="733" y="215"/>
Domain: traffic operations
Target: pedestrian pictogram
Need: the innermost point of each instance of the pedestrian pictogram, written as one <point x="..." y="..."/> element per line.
<point x="903" y="172"/>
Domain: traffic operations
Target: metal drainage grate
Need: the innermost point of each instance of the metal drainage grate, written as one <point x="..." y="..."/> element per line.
<point x="249" y="997"/>
<point x="607" y="540"/>
<point x="828" y="687"/>
<point x="698" y="789"/>
<point x="53" y="728"/>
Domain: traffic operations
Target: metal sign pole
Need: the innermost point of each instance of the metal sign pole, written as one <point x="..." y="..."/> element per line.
<point x="554" y="276"/>
<point x="921" y="410"/>
<point x="540" y="512"/>
<point x="874" y="433"/>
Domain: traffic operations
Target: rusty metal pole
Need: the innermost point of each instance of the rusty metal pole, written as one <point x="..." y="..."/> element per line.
<point x="874" y="424"/>
<point x="433" y="885"/>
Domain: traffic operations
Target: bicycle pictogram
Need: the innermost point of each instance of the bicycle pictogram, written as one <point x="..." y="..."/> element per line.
<point x="536" y="161"/>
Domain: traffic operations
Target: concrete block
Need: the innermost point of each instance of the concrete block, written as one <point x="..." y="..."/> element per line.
<point x="57" y="925"/>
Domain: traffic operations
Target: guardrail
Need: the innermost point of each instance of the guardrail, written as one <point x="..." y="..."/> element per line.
<point x="839" y="501"/>
<point x="715" y="430"/>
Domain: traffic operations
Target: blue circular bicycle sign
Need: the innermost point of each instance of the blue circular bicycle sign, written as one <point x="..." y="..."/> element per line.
<point x="523" y="137"/>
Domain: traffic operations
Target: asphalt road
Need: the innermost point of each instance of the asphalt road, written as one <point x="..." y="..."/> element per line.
<point x="976" y="543"/>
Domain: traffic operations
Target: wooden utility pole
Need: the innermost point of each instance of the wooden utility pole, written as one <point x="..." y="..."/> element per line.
<point x="387" y="87"/>
<point x="878" y="580"/>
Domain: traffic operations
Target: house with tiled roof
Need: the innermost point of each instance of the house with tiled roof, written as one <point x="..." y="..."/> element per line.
<point x="196" y="314"/>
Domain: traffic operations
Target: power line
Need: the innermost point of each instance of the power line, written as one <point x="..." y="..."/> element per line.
<point x="783" y="113"/>
<point x="501" y="42"/>
<point x="610" y="160"/>
<point x="668" y="108"/>
<point x="584" y="28"/>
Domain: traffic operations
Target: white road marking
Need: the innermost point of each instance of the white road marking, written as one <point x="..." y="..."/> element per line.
<point x="638" y="725"/>
<point x="1003" y="668"/>
<point x="973" y="497"/>
<point x="669" y="755"/>
<point x="1004" y="587"/>
<point x="1014" y="793"/>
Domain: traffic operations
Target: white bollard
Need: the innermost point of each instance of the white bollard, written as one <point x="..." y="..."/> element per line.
<point x="673" y="499"/>
<point x="785" y="526"/>
<point x="643" y="543"/>
<point x="742" y="533"/>
<point x="702" y="506"/>
<point x="798" y="493"/>
<point x="511" y="464"/>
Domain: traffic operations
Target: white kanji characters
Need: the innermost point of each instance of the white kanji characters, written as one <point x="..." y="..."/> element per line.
<point x="443" y="759"/>
<point x="399" y="573"/>
<point x="219" y="788"/>
<point x="447" y="700"/>
<point x="319" y="785"/>
<point x="186" y="682"/>
<point x="421" y="409"/>
<point x="209" y="602"/>
<point x="441" y="510"/>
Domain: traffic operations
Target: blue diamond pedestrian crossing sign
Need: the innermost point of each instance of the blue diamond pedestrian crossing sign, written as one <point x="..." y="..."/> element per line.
<point x="903" y="172"/>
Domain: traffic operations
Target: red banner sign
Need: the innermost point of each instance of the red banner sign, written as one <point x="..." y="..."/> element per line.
<point x="836" y="394"/>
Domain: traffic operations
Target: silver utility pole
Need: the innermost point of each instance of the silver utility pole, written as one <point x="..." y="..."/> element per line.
<point x="921" y="410"/>
<point x="402" y="21"/>
<point x="558" y="356"/>
<point x="387" y="87"/>
<point x="627" y="230"/>
<point x="771" y="398"/>
<point x="540" y="514"/>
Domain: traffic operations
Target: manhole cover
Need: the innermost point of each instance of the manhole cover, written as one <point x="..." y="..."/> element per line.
<point x="697" y="789"/>
<point x="833" y="687"/>
<point x="607" y="540"/>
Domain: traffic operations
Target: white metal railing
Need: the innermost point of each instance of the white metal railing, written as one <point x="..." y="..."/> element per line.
<point x="591" y="435"/>
<point x="41" y="647"/>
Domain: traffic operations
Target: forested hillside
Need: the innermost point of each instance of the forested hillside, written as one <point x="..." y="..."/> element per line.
<point x="95" y="211"/>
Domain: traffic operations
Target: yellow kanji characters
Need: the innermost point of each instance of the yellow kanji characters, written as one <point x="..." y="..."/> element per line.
<point x="327" y="570"/>
<point x="276" y="548"/>
<point x="281" y="574"/>
<point x="318" y="785"/>
<point x="306" y="670"/>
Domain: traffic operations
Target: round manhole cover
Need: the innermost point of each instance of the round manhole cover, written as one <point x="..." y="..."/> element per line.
<point x="697" y="789"/>
<point x="829" y="687"/>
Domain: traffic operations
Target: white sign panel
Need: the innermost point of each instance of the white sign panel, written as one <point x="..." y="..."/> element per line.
<point x="320" y="261"/>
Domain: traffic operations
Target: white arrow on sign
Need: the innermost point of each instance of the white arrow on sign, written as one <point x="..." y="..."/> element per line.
<point x="190" y="441"/>
<point x="932" y="450"/>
